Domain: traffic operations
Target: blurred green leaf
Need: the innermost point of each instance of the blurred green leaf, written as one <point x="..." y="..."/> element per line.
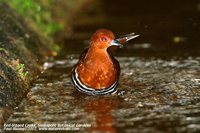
<point x="38" y="12"/>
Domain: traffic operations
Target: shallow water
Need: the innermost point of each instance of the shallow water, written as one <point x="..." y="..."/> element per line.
<point x="159" y="88"/>
<point x="154" y="96"/>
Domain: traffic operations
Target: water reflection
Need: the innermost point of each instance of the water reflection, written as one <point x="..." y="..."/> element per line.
<point x="102" y="110"/>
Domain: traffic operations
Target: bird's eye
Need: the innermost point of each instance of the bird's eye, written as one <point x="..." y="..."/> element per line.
<point x="104" y="39"/>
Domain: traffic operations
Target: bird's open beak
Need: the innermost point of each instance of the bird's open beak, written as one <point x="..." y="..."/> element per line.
<point x="126" y="38"/>
<point x="121" y="40"/>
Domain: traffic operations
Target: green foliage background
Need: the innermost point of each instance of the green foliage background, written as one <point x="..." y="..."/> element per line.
<point x="38" y="11"/>
<point x="39" y="14"/>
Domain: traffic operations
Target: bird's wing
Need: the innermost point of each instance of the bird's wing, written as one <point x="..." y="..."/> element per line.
<point x="83" y="54"/>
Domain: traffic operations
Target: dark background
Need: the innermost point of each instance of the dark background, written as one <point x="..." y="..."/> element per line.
<point x="167" y="28"/>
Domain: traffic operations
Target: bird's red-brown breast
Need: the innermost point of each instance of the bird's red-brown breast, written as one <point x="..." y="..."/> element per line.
<point x="97" y="70"/>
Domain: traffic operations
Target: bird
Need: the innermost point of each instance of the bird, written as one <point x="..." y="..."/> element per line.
<point x="97" y="72"/>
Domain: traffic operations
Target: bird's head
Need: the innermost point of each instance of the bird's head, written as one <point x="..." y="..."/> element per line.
<point x="103" y="39"/>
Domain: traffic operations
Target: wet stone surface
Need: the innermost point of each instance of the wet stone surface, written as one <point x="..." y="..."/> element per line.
<point x="155" y="95"/>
